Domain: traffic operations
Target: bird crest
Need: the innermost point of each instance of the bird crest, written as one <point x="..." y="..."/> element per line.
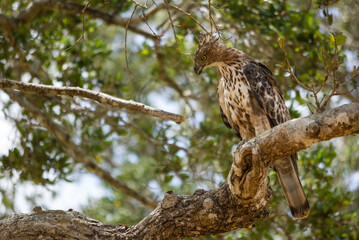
<point x="207" y="39"/>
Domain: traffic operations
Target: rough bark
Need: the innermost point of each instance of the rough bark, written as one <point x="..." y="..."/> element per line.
<point x="203" y="213"/>
<point x="236" y="204"/>
<point x="284" y="140"/>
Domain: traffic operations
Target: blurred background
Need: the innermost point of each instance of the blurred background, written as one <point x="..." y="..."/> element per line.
<point x="143" y="51"/>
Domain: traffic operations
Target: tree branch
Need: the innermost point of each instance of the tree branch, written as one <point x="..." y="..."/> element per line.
<point x="76" y="152"/>
<point x="202" y="213"/>
<point x="298" y="134"/>
<point x="57" y="225"/>
<point x="97" y="96"/>
<point x="253" y="158"/>
<point x="236" y="204"/>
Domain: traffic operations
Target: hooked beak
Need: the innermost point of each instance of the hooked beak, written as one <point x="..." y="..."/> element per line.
<point x="198" y="70"/>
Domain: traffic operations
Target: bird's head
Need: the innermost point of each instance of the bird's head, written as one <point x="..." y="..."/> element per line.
<point x="207" y="52"/>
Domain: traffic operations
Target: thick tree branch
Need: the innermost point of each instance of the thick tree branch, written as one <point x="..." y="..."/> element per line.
<point x="237" y="204"/>
<point x="202" y="213"/>
<point x="56" y="225"/>
<point x="76" y="152"/>
<point x="298" y="134"/>
<point x="97" y="96"/>
<point x="285" y="139"/>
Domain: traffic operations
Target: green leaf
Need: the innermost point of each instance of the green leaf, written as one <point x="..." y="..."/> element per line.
<point x="340" y="39"/>
<point x="281" y="42"/>
<point x="168" y="178"/>
<point x="145" y="51"/>
<point x="332" y="38"/>
<point x="328" y="65"/>
<point x="321" y="52"/>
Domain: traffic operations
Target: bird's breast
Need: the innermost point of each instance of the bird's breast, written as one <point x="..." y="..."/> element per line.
<point x="236" y="106"/>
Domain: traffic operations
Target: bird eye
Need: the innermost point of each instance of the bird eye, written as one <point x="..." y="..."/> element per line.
<point x="204" y="58"/>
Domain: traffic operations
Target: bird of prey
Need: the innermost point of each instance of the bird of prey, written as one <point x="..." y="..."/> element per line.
<point x="251" y="102"/>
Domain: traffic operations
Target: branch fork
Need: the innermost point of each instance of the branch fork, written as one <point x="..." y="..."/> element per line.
<point x="247" y="177"/>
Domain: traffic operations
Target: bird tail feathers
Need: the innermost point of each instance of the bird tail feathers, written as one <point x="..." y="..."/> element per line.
<point x="292" y="187"/>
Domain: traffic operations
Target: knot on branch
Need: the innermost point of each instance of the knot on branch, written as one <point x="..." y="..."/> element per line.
<point x="248" y="173"/>
<point x="208" y="203"/>
<point x="169" y="200"/>
<point x="313" y="129"/>
<point x="199" y="192"/>
<point x="37" y="209"/>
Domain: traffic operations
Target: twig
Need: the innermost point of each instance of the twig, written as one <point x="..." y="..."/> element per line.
<point x="347" y="92"/>
<point x="128" y="23"/>
<point x="151" y="11"/>
<point x="330" y="75"/>
<point x="83" y="27"/>
<point x="189" y="15"/>
<point x="356" y="74"/>
<point x="141" y="6"/>
<point x="211" y="20"/>
<point x="294" y="76"/>
<point x="172" y="25"/>
<point x="97" y="96"/>
<point x="148" y="25"/>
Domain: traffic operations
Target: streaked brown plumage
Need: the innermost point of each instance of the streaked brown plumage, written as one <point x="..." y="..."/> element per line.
<point x="251" y="102"/>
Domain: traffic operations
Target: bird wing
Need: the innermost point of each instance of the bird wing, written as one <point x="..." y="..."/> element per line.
<point x="267" y="92"/>
<point x="269" y="96"/>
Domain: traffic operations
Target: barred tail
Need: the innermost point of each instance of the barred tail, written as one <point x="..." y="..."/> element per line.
<point x="287" y="172"/>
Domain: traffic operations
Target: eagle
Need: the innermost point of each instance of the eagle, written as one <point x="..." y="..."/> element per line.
<point x="251" y="102"/>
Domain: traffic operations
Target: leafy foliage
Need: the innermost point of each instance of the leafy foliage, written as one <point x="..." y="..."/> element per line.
<point x="152" y="156"/>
